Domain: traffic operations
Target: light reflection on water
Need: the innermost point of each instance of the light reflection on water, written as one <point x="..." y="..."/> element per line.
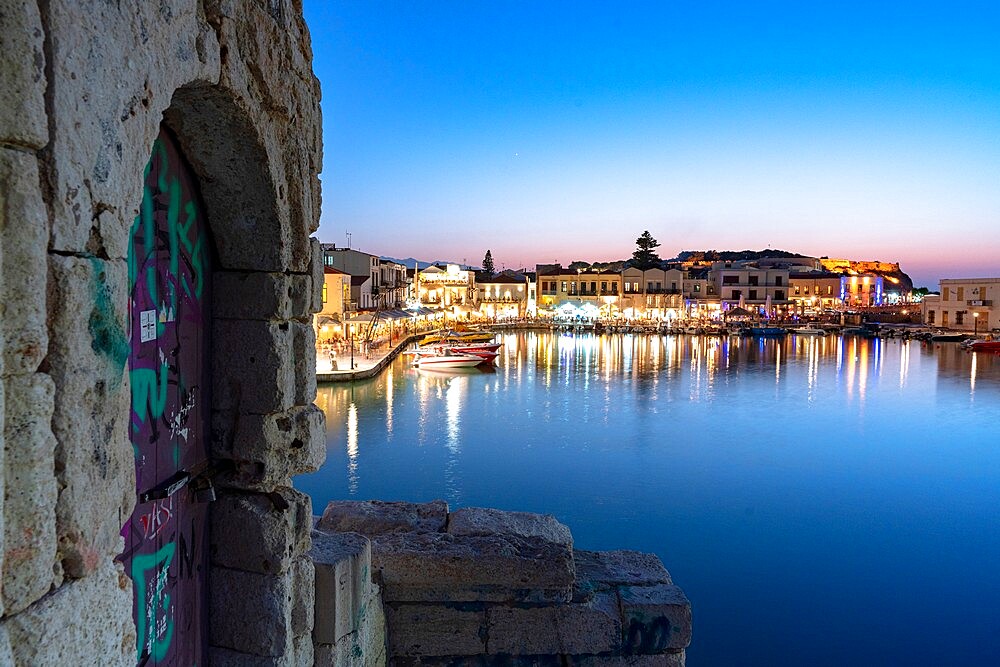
<point x="823" y="501"/>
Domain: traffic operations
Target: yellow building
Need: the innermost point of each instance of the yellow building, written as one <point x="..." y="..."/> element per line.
<point x="653" y="294"/>
<point x="587" y="293"/>
<point x="328" y="322"/>
<point x="449" y="288"/>
<point x="966" y="304"/>
<point x="812" y="292"/>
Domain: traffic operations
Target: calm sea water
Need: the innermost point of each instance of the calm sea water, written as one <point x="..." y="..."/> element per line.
<point x="822" y="501"/>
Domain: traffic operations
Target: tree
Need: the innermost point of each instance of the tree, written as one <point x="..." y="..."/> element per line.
<point x="488" y="267"/>
<point x="644" y="256"/>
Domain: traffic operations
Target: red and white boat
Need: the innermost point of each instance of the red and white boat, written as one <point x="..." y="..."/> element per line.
<point x="446" y="359"/>
<point x="985" y="346"/>
<point x="487" y="351"/>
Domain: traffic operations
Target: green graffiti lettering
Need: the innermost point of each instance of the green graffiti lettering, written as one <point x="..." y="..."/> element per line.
<point x="155" y="625"/>
<point x="149" y="392"/>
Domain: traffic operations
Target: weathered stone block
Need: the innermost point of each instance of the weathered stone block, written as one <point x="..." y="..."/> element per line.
<point x="301" y="291"/>
<point x="24" y="236"/>
<point x="376" y="517"/>
<point x="92" y="617"/>
<point x="269" y="449"/>
<point x="435" y="629"/>
<point x="260" y="532"/>
<point x="252" y="367"/>
<point x="253" y="295"/>
<point x="251" y="612"/>
<point x="304" y="351"/>
<point x="593" y="627"/>
<point x="481" y="661"/>
<point x="30" y="495"/>
<point x="656" y="618"/>
<point x="671" y="659"/>
<point x="343" y="583"/>
<point x="366" y="646"/>
<point x="316" y="270"/>
<point x="224" y="657"/>
<point x="88" y="351"/>
<point x="498" y="568"/>
<point x="488" y="521"/>
<point x="601" y="570"/>
<point x="304" y="599"/>
<point x="22" y="77"/>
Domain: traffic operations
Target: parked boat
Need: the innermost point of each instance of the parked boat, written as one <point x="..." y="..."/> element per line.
<point x="770" y="332"/>
<point x="985" y="346"/>
<point x="458" y="337"/>
<point x="947" y="337"/>
<point x="447" y="360"/>
<point x="809" y="331"/>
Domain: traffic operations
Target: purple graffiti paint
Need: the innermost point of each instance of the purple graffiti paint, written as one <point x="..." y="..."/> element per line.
<point x="166" y="537"/>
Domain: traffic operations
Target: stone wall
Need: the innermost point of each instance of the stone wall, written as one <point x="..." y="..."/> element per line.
<point x="420" y="585"/>
<point x="84" y="88"/>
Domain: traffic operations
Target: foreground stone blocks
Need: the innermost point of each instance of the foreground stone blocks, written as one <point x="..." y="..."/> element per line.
<point x="259" y="532"/>
<point x="377" y="517"/>
<point x="487" y="587"/>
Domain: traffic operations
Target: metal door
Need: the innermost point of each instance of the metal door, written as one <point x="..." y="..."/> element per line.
<point x="166" y="551"/>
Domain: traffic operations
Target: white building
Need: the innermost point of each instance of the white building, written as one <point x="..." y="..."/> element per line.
<point x="966" y="304"/>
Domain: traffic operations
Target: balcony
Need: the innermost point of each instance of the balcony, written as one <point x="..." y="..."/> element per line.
<point x="982" y="303"/>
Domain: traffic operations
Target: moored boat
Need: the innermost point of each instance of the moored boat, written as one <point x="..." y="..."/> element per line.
<point x="447" y="360"/>
<point x="766" y="331"/>
<point x="809" y="331"/>
<point x="458" y="337"/>
<point x="985" y="346"/>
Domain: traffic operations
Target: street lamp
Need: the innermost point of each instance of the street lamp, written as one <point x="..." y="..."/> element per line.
<point x="975" y="320"/>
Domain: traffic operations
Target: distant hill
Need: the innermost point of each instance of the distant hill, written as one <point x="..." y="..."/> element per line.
<point x="409" y="261"/>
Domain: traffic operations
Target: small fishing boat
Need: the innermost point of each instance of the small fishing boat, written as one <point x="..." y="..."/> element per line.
<point x="947" y="337"/>
<point x="985" y="346"/>
<point x="445" y="359"/>
<point x="809" y="331"/>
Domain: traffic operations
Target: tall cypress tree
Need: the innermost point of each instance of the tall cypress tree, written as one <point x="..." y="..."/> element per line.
<point x="488" y="263"/>
<point x="644" y="256"/>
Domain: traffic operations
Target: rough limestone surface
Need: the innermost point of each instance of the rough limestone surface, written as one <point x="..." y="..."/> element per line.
<point x="92" y="619"/>
<point x="365" y="646"/>
<point x="377" y="517"/>
<point x="251" y="612"/>
<point x="22" y="76"/>
<point x="316" y="273"/>
<point x="29" y="545"/>
<point x="343" y="583"/>
<point x="251" y="295"/>
<point x="435" y="629"/>
<point x="480" y="521"/>
<point x="304" y="353"/>
<point x="268" y="450"/>
<point x="656" y="618"/>
<point x="88" y="352"/>
<point x="256" y="375"/>
<point x="24" y="236"/>
<point x="257" y="532"/>
<point x="496" y="568"/>
<point x="592" y="627"/>
<point x="602" y="570"/>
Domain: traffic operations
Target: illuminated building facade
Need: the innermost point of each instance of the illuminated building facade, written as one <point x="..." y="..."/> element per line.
<point x="503" y="295"/>
<point x="967" y="304"/>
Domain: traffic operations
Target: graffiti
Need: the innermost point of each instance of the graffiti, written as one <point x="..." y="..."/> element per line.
<point x="157" y="517"/>
<point x="168" y="273"/>
<point x="156" y="626"/>
<point x="106" y="335"/>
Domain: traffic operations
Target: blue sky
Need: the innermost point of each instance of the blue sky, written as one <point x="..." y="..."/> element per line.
<point x="560" y="131"/>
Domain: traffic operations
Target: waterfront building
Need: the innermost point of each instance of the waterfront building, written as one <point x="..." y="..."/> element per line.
<point x="701" y="296"/>
<point x="746" y="285"/>
<point x="336" y="299"/>
<point x="862" y="291"/>
<point x="967" y="304"/>
<point x="652" y="293"/>
<point x="363" y="268"/>
<point x="811" y="292"/>
<point x="504" y="295"/>
<point x="393" y="284"/>
<point x="571" y="293"/>
<point x="448" y="288"/>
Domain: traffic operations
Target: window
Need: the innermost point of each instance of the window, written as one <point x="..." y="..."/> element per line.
<point x="614" y="288"/>
<point x="753" y="280"/>
<point x="779" y="295"/>
<point x="944" y="318"/>
<point x="737" y="294"/>
<point x="961" y="297"/>
<point x="829" y="290"/>
<point x="807" y="290"/>
<point x="324" y="292"/>
<point x="697" y="287"/>
<point x="930" y="317"/>
<point x="730" y="280"/>
<point x="564" y="286"/>
<point x="649" y="286"/>
<point x="779" y="280"/>
<point x="753" y="295"/>
<point x="673" y="286"/>
<point x="659" y="285"/>
<point x="593" y="286"/>
<point x="797" y="290"/>
<point x="604" y="286"/>
<point x="960" y="315"/>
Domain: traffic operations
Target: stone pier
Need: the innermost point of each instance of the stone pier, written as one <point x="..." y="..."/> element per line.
<point x="414" y="584"/>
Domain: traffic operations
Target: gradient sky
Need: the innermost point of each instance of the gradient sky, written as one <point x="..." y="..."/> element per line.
<point x="560" y="131"/>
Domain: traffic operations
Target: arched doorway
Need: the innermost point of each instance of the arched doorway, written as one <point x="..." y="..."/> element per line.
<point x="169" y="306"/>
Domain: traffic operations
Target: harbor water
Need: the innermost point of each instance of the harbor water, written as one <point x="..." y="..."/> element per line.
<point x="821" y="500"/>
